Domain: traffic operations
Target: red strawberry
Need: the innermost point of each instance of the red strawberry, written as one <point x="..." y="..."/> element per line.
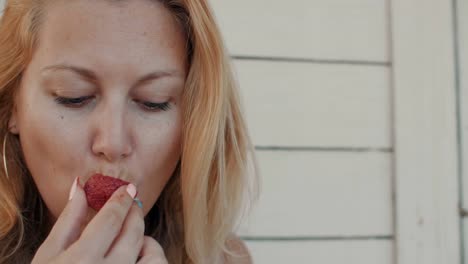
<point x="99" y="189"/>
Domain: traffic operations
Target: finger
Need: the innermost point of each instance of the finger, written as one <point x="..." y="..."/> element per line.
<point x="130" y="240"/>
<point x="107" y="223"/>
<point x="151" y="252"/>
<point x="68" y="226"/>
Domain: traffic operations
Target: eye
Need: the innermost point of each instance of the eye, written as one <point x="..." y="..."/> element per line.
<point x="153" y="107"/>
<point x="73" y="102"/>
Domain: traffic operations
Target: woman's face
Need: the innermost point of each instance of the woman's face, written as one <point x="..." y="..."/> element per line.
<point x="102" y="95"/>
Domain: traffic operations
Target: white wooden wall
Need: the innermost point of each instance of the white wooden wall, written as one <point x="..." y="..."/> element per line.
<point x="352" y="107"/>
<point x="425" y="132"/>
<point x="315" y="79"/>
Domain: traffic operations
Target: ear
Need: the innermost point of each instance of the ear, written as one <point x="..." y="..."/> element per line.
<point x="12" y="123"/>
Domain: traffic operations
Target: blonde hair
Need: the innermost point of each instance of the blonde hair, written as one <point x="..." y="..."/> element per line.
<point x="215" y="180"/>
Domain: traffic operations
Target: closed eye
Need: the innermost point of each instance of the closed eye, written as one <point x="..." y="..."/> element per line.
<point x="73" y="102"/>
<point x="150" y="106"/>
<point x="76" y="102"/>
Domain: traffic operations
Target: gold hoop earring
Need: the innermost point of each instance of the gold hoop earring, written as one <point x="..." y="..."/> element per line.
<point x="4" y="155"/>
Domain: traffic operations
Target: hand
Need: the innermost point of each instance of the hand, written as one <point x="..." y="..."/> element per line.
<point x="114" y="235"/>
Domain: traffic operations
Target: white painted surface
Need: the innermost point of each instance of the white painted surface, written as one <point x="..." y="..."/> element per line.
<point x="301" y="104"/>
<point x="465" y="239"/>
<point x="319" y="29"/>
<point x="323" y="252"/>
<point x="317" y="194"/>
<point x="425" y="133"/>
<point x="463" y="71"/>
<point x="462" y="34"/>
<point x="323" y="194"/>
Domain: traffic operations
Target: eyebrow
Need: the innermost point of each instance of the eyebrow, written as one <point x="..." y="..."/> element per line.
<point x="91" y="76"/>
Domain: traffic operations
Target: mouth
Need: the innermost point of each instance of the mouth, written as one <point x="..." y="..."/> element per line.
<point x="99" y="188"/>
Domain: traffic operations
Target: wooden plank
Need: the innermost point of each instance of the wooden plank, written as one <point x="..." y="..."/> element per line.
<point x="427" y="222"/>
<point x="462" y="34"/>
<point x="302" y="104"/>
<point x="326" y="252"/>
<point x="322" y="194"/>
<point x="462" y="37"/>
<point x="321" y="29"/>
<point x="465" y="239"/>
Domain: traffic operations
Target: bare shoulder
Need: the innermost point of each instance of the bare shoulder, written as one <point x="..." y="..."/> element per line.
<point x="240" y="251"/>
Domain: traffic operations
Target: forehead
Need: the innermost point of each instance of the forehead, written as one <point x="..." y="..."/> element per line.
<point x="103" y="33"/>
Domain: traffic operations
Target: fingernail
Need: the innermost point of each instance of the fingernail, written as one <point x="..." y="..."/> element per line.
<point x="73" y="189"/>
<point x="139" y="203"/>
<point x="131" y="189"/>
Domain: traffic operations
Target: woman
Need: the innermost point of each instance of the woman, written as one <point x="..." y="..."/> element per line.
<point x="138" y="90"/>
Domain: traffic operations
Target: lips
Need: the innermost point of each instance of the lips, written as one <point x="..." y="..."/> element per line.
<point x="99" y="189"/>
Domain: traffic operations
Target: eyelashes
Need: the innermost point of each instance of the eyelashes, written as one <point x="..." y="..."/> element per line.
<point x="156" y="106"/>
<point x="77" y="102"/>
<point x="73" y="102"/>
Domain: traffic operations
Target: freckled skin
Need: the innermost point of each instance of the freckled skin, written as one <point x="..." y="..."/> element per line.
<point x="113" y="132"/>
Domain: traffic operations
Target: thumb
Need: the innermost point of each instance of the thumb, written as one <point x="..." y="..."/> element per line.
<point x="67" y="228"/>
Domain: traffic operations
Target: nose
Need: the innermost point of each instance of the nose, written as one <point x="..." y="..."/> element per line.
<point x="112" y="137"/>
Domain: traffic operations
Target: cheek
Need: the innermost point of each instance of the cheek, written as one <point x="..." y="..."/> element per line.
<point x="160" y="153"/>
<point x="49" y="149"/>
<point x="162" y="142"/>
